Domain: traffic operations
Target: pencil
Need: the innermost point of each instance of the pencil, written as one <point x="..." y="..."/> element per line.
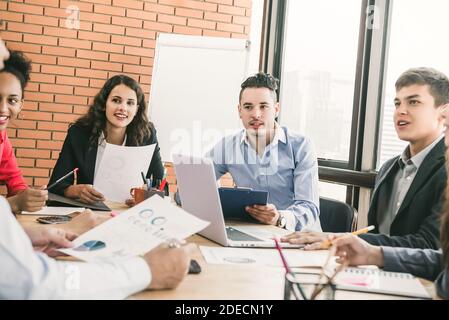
<point x="62" y="178"/>
<point x="328" y="243"/>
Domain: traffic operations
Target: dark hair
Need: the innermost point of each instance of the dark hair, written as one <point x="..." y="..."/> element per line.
<point x="19" y="66"/>
<point x="261" y="80"/>
<point x="438" y="82"/>
<point x="444" y="232"/>
<point x="136" y="131"/>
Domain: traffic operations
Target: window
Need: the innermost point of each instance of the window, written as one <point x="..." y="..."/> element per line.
<point x="318" y="72"/>
<point x="255" y="35"/>
<point x="417" y="39"/>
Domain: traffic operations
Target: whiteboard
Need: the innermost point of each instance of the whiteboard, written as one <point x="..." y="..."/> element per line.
<point x="195" y="91"/>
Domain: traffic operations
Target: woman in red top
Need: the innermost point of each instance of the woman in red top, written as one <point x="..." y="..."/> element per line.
<point x="13" y="79"/>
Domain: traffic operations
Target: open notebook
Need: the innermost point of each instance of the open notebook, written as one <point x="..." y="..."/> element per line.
<point x="379" y="281"/>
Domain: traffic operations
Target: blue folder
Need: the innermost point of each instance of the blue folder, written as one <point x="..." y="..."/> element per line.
<point x="234" y="200"/>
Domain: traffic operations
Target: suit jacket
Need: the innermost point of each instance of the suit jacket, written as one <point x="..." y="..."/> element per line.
<point x="78" y="152"/>
<point x="416" y="224"/>
<point x="427" y="264"/>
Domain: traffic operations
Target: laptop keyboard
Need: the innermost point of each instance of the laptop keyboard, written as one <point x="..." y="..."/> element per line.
<point x="236" y="235"/>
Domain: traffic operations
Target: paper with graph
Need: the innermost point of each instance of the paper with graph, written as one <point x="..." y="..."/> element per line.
<point x="136" y="231"/>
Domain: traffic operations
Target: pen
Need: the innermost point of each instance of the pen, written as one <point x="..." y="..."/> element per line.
<point x="164" y="180"/>
<point x="62" y="178"/>
<point x="328" y="243"/>
<point x="287" y="268"/>
<point x="143" y="178"/>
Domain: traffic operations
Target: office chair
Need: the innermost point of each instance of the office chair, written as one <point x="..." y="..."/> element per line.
<point x="336" y="216"/>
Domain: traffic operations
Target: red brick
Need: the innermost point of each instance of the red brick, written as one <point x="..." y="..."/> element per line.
<point x="137" y="69"/>
<point x="67" y="71"/>
<point x="142" y="52"/>
<point x="55" y="12"/>
<point x="73" y="62"/>
<point x="122" y="58"/>
<point x="30" y="105"/>
<point x="145" y="79"/>
<point x="55" y="107"/>
<point x="113" y="11"/>
<point x="32" y="134"/>
<point x="44" y="163"/>
<point x="110" y="66"/>
<point x="24" y="47"/>
<point x="146" y="61"/>
<point x="52" y="145"/>
<point x="152" y="7"/>
<point x="131" y="41"/>
<point x="156" y="26"/>
<point x="35" y="172"/>
<point x="55" y="88"/>
<point x="83" y="7"/>
<point x="139" y="14"/>
<point x="19" y="7"/>
<point x="128" y="22"/>
<point x="60" y="32"/>
<point x="58" y="136"/>
<point x="43" y="20"/>
<point x="203" y="24"/>
<point x="69" y="100"/>
<point x="11" y="132"/>
<point x="40" y="58"/>
<point x="140" y="33"/>
<point x="214" y="33"/>
<point x="32" y="87"/>
<point x="107" y="47"/>
<point x="37" y="96"/>
<point x="40" y="77"/>
<point x="93" y="55"/>
<point x="24" y="27"/>
<point x="62" y="117"/>
<point x="58" y="51"/>
<point x="171" y="19"/>
<point x="189" y="13"/>
<point x="37" y="182"/>
<point x="88" y="73"/>
<point x="229" y="27"/>
<point x="94" y="36"/>
<point x="25" y="124"/>
<point x="89" y="92"/>
<point x="12" y="16"/>
<point x="14" y="36"/>
<point x="40" y="39"/>
<point x="56" y="126"/>
<point x="241" y="20"/>
<point x="94" y="83"/>
<point x="74" y="81"/>
<point x="32" y="115"/>
<point x="187" y="30"/>
<point x="80" y="109"/>
<point x="24" y="162"/>
<point x="74" y="43"/>
<point x="218" y="17"/>
<point x="22" y="143"/>
<point x="231" y="10"/>
<point x="191" y="4"/>
<point x="108" y="28"/>
<point x="243" y="3"/>
<point x="48" y="3"/>
<point x="133" y="4"/>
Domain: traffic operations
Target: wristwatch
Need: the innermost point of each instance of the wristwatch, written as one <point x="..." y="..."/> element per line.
<point x="282" y="221"/>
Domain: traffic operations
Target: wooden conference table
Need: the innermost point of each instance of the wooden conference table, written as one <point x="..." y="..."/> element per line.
<point x="236" y="282"/>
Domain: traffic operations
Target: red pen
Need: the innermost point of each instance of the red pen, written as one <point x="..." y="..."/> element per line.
<point x="162" y="186"/>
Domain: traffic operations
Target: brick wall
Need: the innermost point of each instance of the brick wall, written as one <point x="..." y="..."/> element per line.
<point x="70" y="64"/>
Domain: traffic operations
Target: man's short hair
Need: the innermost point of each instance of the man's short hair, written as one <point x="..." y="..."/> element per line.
<point x="436" y="80"/>
<point x="261" y="80"/>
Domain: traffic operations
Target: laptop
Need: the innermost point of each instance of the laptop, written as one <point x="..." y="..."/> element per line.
<point x="199" y="196"/>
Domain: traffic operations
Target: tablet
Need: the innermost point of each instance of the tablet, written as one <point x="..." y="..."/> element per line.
<point x="234" y="200"/>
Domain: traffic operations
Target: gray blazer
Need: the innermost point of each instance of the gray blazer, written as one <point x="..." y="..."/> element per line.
<point x="423" y="263"/>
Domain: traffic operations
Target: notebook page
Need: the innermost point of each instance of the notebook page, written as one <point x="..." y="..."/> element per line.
<point x="379" y="281"/>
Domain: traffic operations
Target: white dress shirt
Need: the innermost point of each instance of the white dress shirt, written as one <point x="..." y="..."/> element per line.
<point x="27" y="274"/>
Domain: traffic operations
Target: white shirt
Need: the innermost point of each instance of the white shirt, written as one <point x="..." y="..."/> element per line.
<point x="26" y="274"/>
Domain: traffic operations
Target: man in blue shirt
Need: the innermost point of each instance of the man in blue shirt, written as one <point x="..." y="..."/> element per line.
<point x="265" y="156"/>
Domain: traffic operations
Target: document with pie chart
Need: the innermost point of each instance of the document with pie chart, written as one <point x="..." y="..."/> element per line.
<point x="136" y="231"/>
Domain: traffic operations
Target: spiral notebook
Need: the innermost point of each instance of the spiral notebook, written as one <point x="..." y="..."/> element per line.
<point x="379" y="281"/>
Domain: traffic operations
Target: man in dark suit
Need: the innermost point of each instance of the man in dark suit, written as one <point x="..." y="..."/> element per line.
<point x="409" y="188"/>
